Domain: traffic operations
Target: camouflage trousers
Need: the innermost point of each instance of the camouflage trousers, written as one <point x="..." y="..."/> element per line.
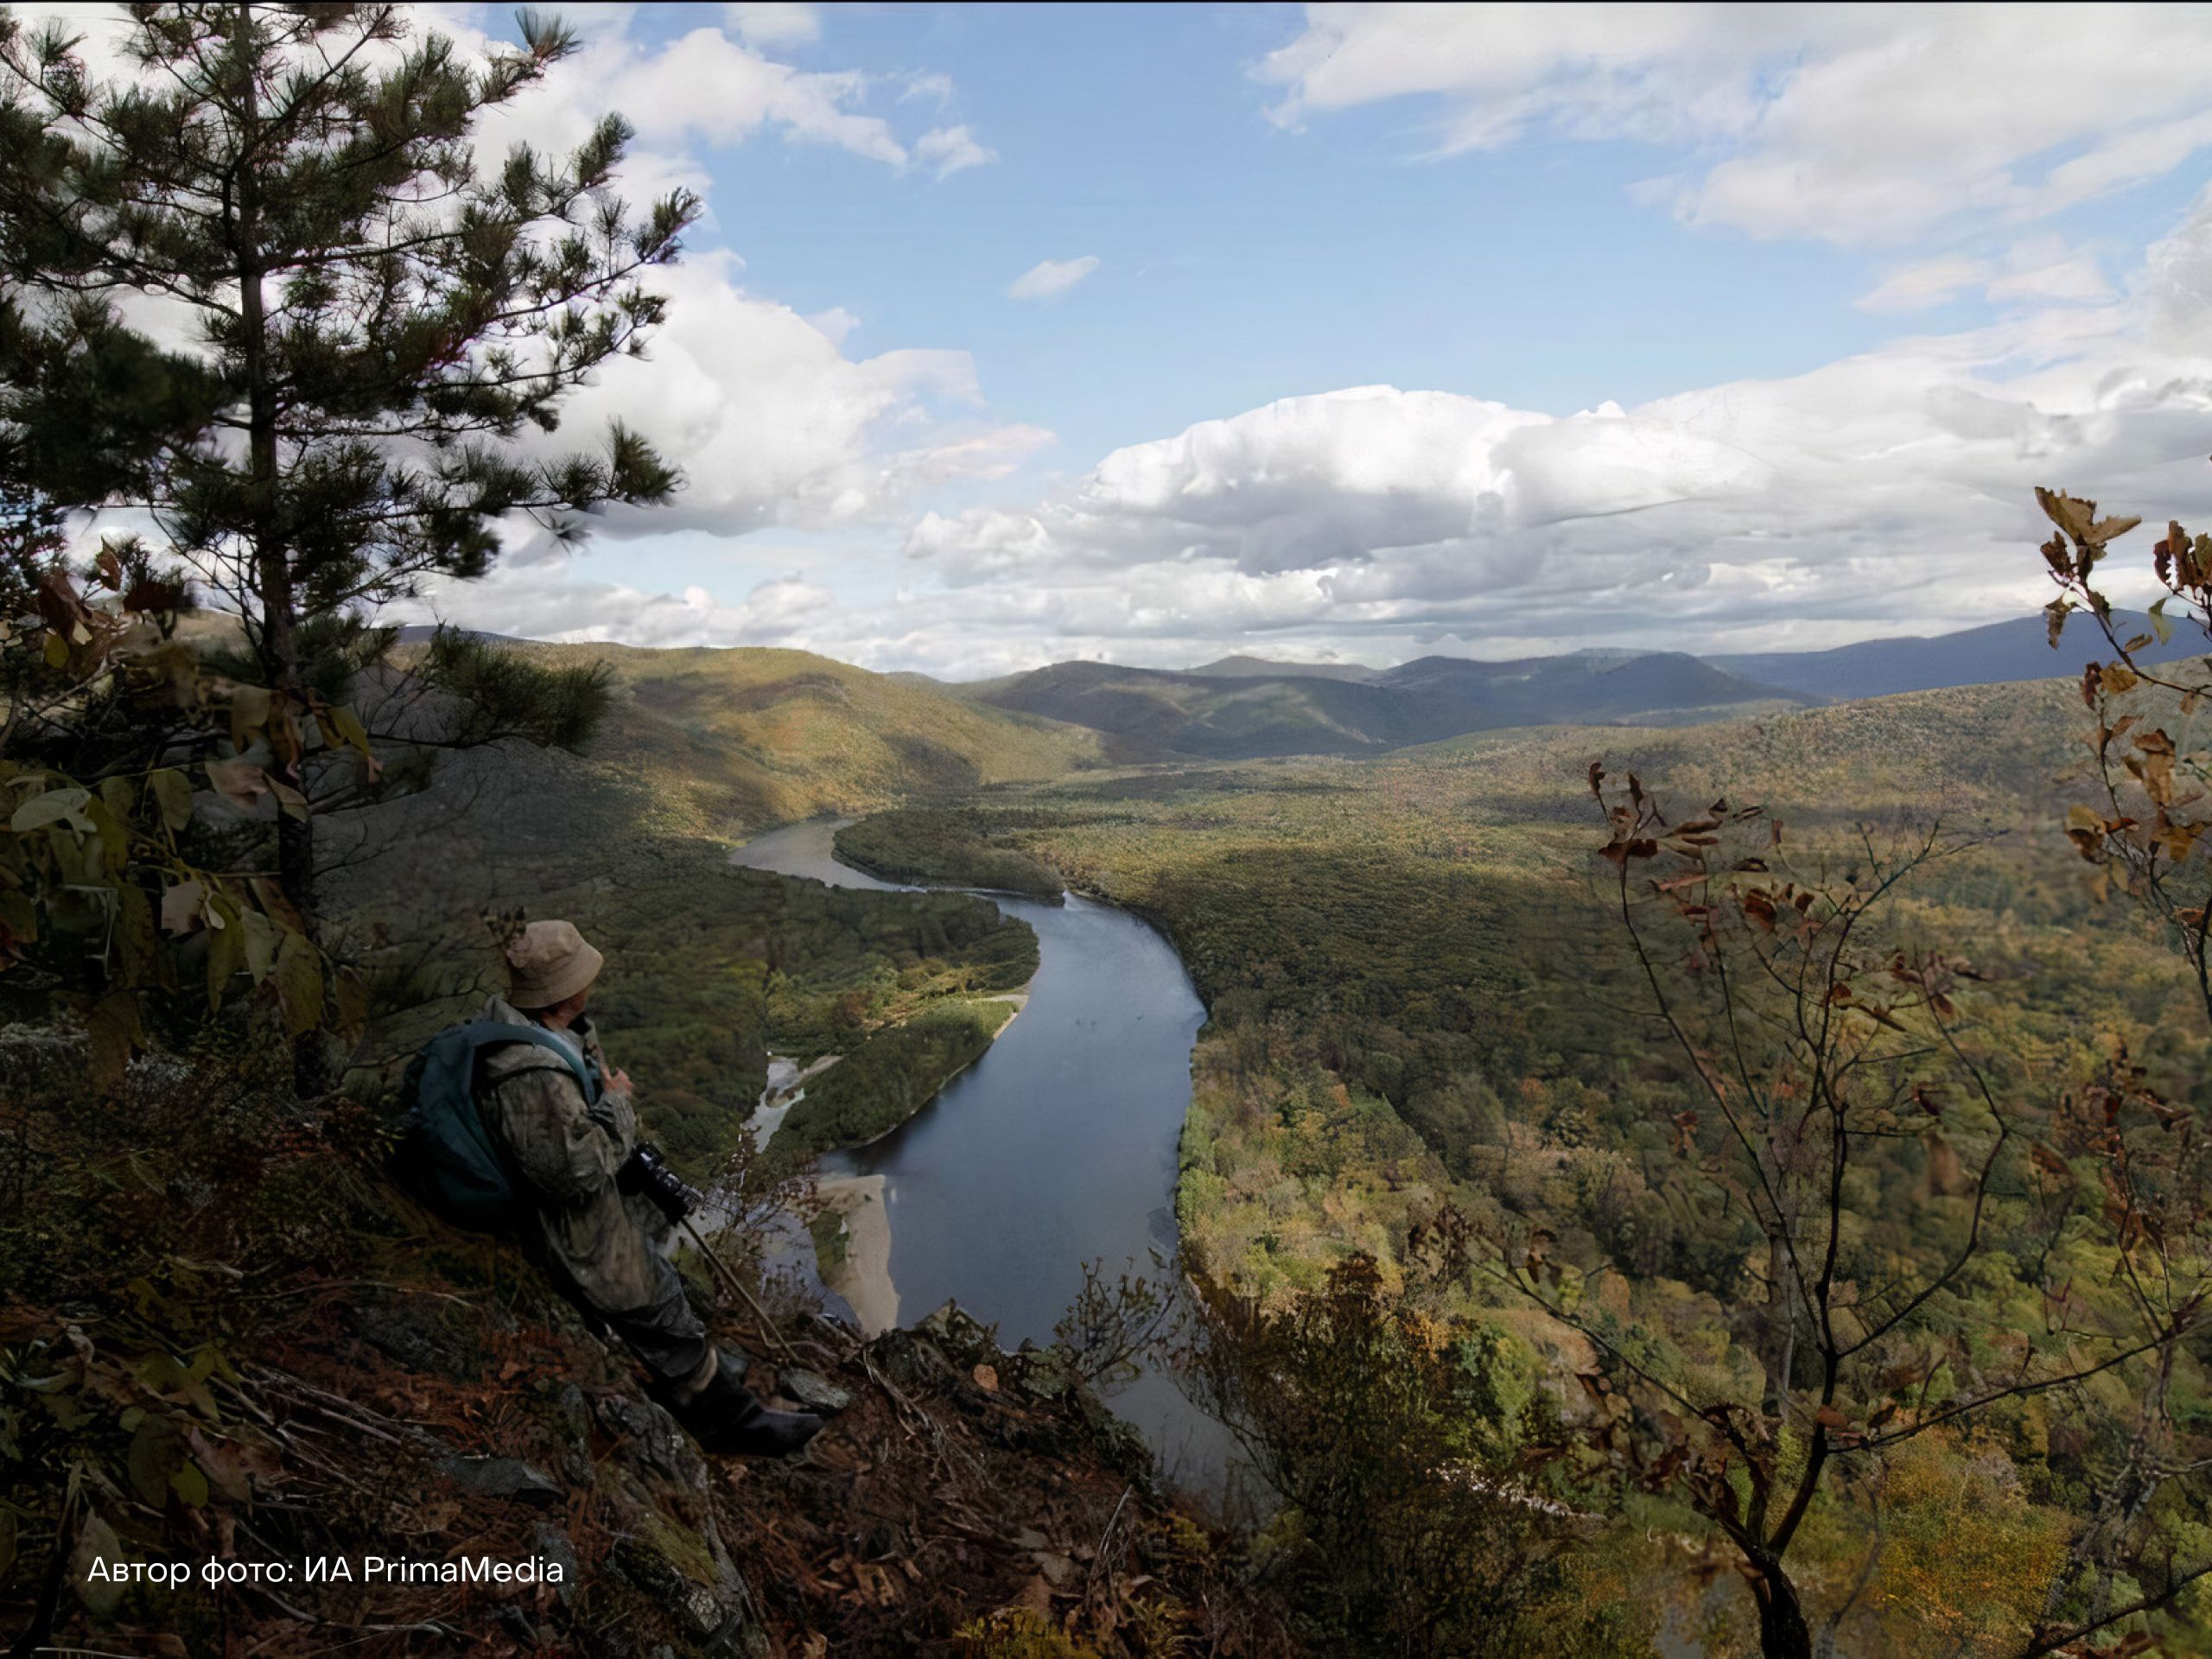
<point x="603" y="1248"/>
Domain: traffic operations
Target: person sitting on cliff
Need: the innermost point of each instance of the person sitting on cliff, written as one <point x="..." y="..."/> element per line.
<point x="572" y="1157"/>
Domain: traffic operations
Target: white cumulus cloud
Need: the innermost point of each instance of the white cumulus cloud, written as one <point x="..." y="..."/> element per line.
<point x="1887" y="492"/>
<point x="950" y="149"/>
<point x="712" y="86"/>
<point x="1852" y="124"/>
<point x="775" y="22"/>
<point x="2037" y="269"/>
<point x="1050" y="277"/>
<point x="1927" y="283"/>
<point x="773" y="423"/>
<point x="770" y="421"/>
<point x="552" y="599"/>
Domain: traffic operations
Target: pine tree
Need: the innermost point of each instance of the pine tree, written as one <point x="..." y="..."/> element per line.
<point x="380" y="315"/>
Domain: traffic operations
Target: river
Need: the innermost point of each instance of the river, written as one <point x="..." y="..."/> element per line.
<point x="1055" y="1148"/>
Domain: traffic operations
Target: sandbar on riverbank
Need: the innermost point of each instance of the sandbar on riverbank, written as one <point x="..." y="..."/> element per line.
<point x="863" y="1278"/>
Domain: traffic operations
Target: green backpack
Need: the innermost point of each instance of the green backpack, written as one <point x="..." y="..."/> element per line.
<point x="445" y="1155"/>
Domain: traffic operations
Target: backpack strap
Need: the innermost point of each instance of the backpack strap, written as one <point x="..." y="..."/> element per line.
<point x="480" y="1034"/>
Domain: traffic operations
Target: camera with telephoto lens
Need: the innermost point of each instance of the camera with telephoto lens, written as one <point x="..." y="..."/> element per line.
<point x="647" y="1172"/>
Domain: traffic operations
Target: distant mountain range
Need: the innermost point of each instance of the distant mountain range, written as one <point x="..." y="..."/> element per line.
<point x="1260" y="709"/>
<point x="1244" y="707"/>
<point x="852" y="739"/>
<point x="1259" y="668"/>
<point x="2019" y="650"/>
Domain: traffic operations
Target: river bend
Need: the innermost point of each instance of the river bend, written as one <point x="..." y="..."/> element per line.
<point x="1057" y="1148"/>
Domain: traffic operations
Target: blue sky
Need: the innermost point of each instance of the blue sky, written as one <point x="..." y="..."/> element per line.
<point x="1241" y="263"/>
<point x="1816" y="259"/>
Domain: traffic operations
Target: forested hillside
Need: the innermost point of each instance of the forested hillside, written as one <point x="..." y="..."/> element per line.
<point x="941" y="846"/>
<point x="1428" y="922"/>
<point x="710" y="966"/>
<point x="733" y="741"/>
<point x="713" y="966"/>
<point x="1422" y="1002"/>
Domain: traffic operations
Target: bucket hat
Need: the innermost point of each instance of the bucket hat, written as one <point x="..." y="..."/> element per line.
<point x="550" y="962"/>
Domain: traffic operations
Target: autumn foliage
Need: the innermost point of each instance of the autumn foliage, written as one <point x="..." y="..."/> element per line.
<point x="1840" y="1086"/>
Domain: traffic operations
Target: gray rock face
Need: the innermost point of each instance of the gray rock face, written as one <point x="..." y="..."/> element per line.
<point x="502" y="1477"/>
<point x="814" y="1391"/>
<point x="719" y="1615"/>
<point x="1044" y="1373"/>
<point x="960" y="1334"/>
<point x="571" y="1415"/>
<point x="657" y="1441"/>
<point x="440" y="1342"/>
<point x="553" y="1544"/>
<point x="912" y="1360"/>
<point x="648" y="1566"/>
<point x="575" y="1413"/>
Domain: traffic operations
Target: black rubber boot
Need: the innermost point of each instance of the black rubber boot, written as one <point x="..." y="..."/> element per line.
<point x="760" y="1432"/>
<point x="726" y="1416"/>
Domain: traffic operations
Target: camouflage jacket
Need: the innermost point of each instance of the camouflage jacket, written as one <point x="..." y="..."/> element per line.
<point x="567" y="1153"/>
<point x="564" y="1147"/>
